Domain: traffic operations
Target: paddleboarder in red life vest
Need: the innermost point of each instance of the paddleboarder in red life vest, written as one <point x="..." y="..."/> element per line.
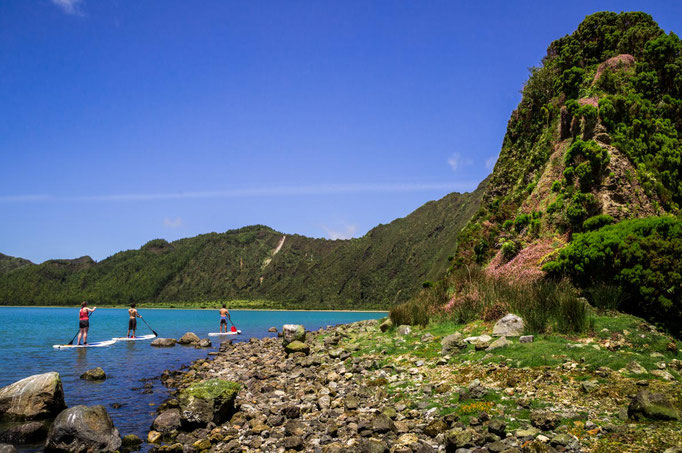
<point x="84" y="322"/>
<point x="132" y="322"/>
<point x="224" y="315"/>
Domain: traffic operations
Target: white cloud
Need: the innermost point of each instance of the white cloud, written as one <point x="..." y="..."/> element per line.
<point x="328" y="189"/>
<point x="490" y="162"/>
<point x="456" y="161"/>
<point x="347" y="232"/>
<point x="172" y="223"/>
<point x="72" y="7"/>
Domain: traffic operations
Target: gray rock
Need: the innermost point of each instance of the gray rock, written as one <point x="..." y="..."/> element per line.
<point x="163" y="342"/>
<point x="526" y="339"/>
<point x="204" y="343"/>
<point x="167" y="421"/>
<point x="404" y="330"/>
<point x="83" y="428"/>
<point x="382" y="423"/>
<point x="210" y="401"/>
<point x="188" y="338"/>
<point x="34" y="397"/>
<point x="501" y="342"/>
<point x="95" y="374"/>
<point x="589" y="385"/>
<point x="452" y="344"/>
<point x="293" y="332"/>
<point x="509" y="326"/>
<point x="272" y="329"/>
<point x="655" y="406"/>
<point x="297" y="346"/>
<point x="7" y="448"/>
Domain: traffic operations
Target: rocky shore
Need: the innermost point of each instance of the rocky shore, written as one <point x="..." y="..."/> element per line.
<point x="374" y="387"/>
<point x="351" y="388"/>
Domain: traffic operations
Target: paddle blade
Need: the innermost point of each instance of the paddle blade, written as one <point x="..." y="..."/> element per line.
<point x="233" y="328"/>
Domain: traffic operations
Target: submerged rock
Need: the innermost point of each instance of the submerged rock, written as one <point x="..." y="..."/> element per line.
<point x="24" y="433"/>
<point x="83" y="428"/>
<point x="131" y="442"/>
<point x="34" y="397"/>
<point x="95" y="374"/>
<point x="163" y="342"/>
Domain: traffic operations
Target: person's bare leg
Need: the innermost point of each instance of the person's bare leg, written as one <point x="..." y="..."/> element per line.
<point x="128" y="334"/>
<point x="80" y="335"/>
<point x="85" y="335"/>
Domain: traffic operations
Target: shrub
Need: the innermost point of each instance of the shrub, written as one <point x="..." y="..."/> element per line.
<point x="605" y="297"/>
<point x="509" y="250"/>
<point x="411" y="313"/>
<point x="641" y="256"/>
<point x="596" y="222"/>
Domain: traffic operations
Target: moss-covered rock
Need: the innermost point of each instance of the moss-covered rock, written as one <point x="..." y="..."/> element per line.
<point x="208" y="401"/>
<point x="95" y="374"/>
<point x="297" y="346"/>
<point x="655" y="406"/>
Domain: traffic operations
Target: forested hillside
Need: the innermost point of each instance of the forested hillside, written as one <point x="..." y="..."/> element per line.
<point x="387" y="265"/>
<point x="593" y="144"/>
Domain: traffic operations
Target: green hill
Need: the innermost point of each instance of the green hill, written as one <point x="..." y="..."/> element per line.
<point x="386" y="266"/>
<point x="593" y="146"/>
<point x="8" y="263"/>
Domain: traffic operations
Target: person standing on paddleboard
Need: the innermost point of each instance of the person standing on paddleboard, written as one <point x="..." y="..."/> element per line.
<point x="132" y="322"/>
<point x="224" y="315"/>
<point x="84" y="322"/>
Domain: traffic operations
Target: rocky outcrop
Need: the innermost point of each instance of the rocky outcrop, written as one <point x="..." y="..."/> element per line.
<point x="509" y="326"/>
<point x="292" y="332"/>
<point x="7" y="448"/>
<point x="188" y="338"/>
<point x="83" y="428"/>
<point x="163" y="342"/>
<point x="35" y="397"/>
<point x="654" y="406"/>
<point x="95" y="374"/>
<point x="207" y="402"/>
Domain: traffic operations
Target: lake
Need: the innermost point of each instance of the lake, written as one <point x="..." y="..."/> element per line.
<point x="28" y="333"/>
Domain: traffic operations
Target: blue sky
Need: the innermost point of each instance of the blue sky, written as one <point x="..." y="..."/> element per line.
<point x="124" y="121"/>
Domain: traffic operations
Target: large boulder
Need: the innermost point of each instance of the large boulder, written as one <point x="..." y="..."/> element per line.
<point x="163" y="342"/>
<point x="452" y="344"/>
<point x="509" y="326"/>
<point x="7" y="448"/>
<point x="167" y="421"/>
<point x="654" y="406"/>
<point x="205" y="402"/>
<point x="96" y="374"/>
<point x="34" y="397"/>
<point x="297" y="346"/>
<point x="292" y="332"/>
<point x="189" y="338"/>
<point x="83" y="428"/>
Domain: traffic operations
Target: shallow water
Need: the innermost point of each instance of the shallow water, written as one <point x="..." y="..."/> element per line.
<point x="28" y="333"/>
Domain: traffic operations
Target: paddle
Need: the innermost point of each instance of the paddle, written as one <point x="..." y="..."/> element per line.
<point x="79" y="330"/>
<point x="150" y="328"/>
<point x="234" y="328"/>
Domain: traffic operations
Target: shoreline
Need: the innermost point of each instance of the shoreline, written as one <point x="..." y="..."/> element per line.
<point x="119" y="307"/>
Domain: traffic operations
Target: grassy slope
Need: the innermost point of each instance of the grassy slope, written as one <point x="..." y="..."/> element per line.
<point x="385" y="266"/>
<point x="543" y="374"/>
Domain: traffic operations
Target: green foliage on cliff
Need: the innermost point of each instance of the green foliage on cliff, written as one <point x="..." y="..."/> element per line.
<point x="385" y="266"/>
<point x="643" y="257"/>
<point x="8" y="263"/>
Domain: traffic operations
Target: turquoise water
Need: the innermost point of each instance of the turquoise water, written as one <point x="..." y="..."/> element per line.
<point x="27" y="336"/>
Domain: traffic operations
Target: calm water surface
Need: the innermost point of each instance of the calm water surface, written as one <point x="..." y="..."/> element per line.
<point x="27" y="336"/>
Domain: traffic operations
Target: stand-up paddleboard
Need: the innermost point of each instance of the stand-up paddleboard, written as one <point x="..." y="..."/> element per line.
<point x="98" y="344"/>
<point x="142" y="337"/>
<point x="219" y="334"/>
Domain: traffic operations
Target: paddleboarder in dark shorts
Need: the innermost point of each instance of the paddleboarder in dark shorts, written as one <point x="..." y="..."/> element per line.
<point x="84" y="322"/>
<point x="132" y="322"/>
<point x="224" y="315"/>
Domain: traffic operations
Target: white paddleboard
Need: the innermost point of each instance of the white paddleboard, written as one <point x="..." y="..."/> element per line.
<point x="218" y="334"/>
<point x="98" y="344"/>
<point x="143" y="337"/>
